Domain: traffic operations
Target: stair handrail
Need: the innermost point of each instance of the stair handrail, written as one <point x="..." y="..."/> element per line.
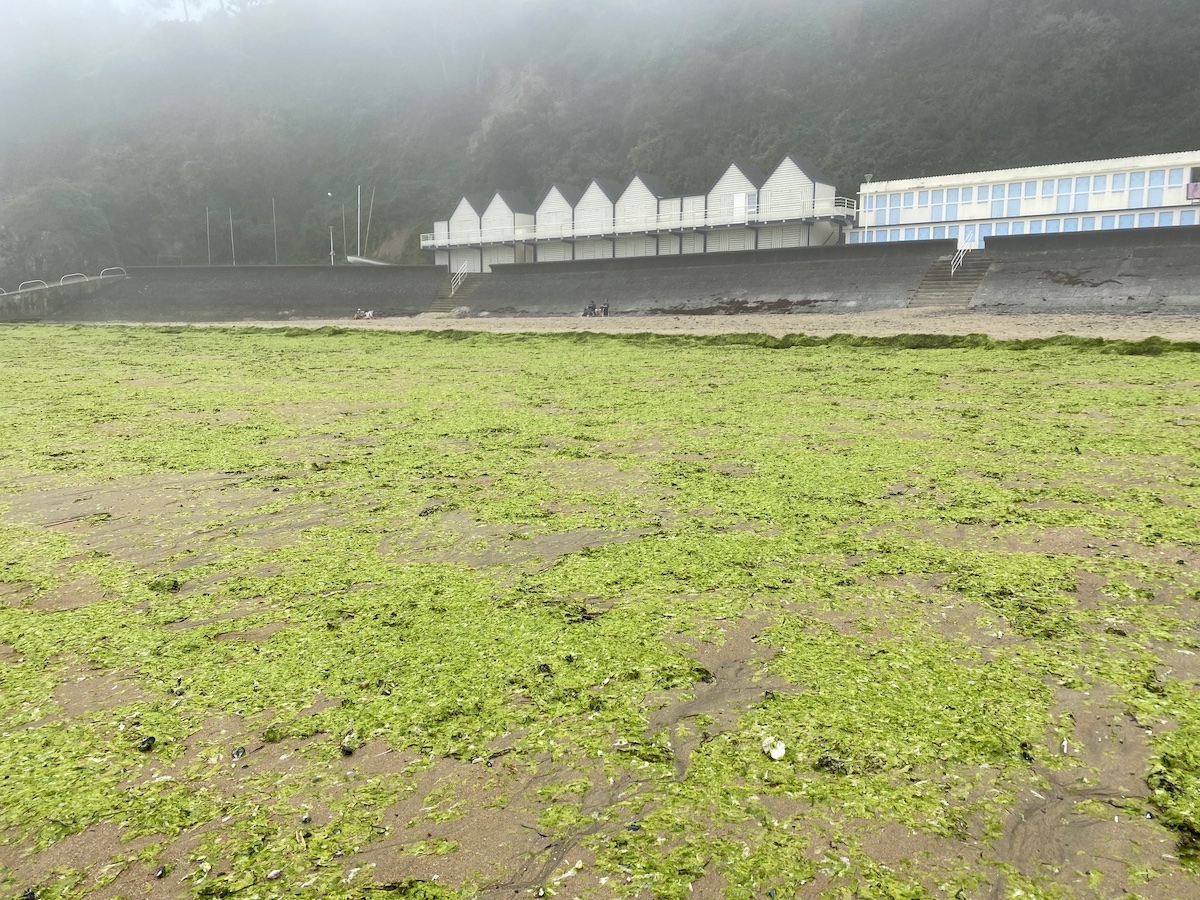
<point x="956" y="263"/>
<point x="35" y="281"/>
<point x="74" y="276"/>
<point x="459" y="277"/>
<point x="105" y="274"/>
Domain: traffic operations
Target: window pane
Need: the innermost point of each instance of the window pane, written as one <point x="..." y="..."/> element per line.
<point x="1108" y="223"/>
<point x="1064" y="185"/>
<point x="953" y="231"/>
<point x="1119" y="182"/>
<point x="1081" y="203"/>
<point x="1064" y="203"/>
<point x="1053" y="226"/>
<point x="936" y="213"/>
<point x="923" y="198"/>
<point x="985" y="231"/>
<point x="1158" y="178"/>
<point x="1030" y="190"/>
<point x="1176" y="178"/>
<point x="1125" y="221"/>
<point x="1166" y="219"/>
<point x="969" y="233"/>
<point x="997" y="192"/>
<point x="1137" y="197"/>
<point x="1002" y="229"/>
<point x="922" y="234"/>
<point x="1137" y="180"/>
<point x="966" y="195"/>
<point x="1014" y="207"/>
<point x="910" y="234"/>
<point x="997" y="208"/>
<point x="1146" y="220"/>
<point x="1083" y="183"/>
<point x="894" y="200"/>
<point x="952" y="195"/>
<point x="881" y="216"/>
<point x="894" y="234"/>
<point x="1154" y="196"/>
<point x="1035" y="227"/>
<point x="1188" y="217"/>
<point x="1089" y="223"/>
<point x="1099" y="184"/>
<point x="981" y="194"/>
<point x="1014" y="190"/>
<point x="1047" y="188"/>
<point x="939" y="233"/>
<point x="1018" y="228"/>
<point x="951" y="210"/>
<point x="867" y="201"/>
<point x="908" y="200"/>
<point x="938" y="196"/>
<point x="1070" y="224"/>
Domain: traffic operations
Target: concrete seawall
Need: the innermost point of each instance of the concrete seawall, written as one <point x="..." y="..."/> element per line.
<point x="228" y="294"/>
<point x="38" y="304"/>
<point x="819" y="279"/>
<point x="1134" y="271"/>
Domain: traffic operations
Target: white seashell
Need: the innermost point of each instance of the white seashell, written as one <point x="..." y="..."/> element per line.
<point x="774" y="747"/>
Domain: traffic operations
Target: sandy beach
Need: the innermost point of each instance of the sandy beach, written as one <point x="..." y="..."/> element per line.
<point x="872" y="324"/>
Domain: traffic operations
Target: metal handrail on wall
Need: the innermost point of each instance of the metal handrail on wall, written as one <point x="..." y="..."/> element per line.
<point x="113" y="269"/>
<point x="25" y="284"/>
<point x="74" y="276"/>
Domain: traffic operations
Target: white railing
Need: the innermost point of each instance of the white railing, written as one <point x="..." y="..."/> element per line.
<point x="831" y="208"/>
<point x="113" y="269"/>
<point x="25" y="284"/>
<point x="957" y="261"/>
<point x="74" y="276"/>
<point x="459" y="277"/>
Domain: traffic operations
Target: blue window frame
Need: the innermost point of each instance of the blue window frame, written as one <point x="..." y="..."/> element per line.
<point x="1108" y="223"/>
<point x="1099" y="184"/>
<point x="1176" y="178"/>
<point x="1089" y="223"/>
<point x="923" y="198"/>
<point x="1070" y="224"/>
<point x="922" y="234"/>
<point x="1018" y="227"/>
<point x="1053" y="226"/>
<point x="939" y="233"/>
<point x="1035" y="227"/>
<point x="1166" y="220"/>
<point x="1145" y="220"/>
<point x="1125" y="221"/>
<point x="1119" y="182"/>
<point x="1187" y="217"/>
<point x="910" y="234"/>
<point x="966" y="195"/>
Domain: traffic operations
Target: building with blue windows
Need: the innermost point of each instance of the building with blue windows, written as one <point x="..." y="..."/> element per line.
<point x="1159" y="191"/>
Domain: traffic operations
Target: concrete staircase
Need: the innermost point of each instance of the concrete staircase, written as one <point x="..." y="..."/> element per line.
<point x="939" y="289"/>
<point x="444" y="303"/>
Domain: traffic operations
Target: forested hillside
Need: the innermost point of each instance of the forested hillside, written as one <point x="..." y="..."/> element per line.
<point x="116" y="135"/>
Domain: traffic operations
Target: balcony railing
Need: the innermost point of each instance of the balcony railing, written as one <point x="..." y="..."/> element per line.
<point x="833" y="208"/>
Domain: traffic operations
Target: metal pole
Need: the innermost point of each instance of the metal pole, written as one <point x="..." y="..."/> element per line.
<point x="275" y="230"/>
<point x="345" y="246"/>
<point x="331" y="245"/>
<point x="208" y="234"/>
<point x="359" y="220"/>
<point x="232" y="247"/>
<point x="370" y="211"/>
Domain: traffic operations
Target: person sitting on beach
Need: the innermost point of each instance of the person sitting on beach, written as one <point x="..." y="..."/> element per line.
<point x="590" y="309"/>
<point x="604" y="307"/>
<point x="369" y="314"/>
<point x="358" y="314"/>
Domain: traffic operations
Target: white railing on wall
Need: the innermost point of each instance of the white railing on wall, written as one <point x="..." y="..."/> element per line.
<point x="833" y="208"/>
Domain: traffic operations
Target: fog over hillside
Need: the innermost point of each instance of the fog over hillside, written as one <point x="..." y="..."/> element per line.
<point x="121" y="127"/>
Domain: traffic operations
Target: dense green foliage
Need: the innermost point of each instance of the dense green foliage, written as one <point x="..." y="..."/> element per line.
<point x="298" y="99"/>
<point x="524" y="550"/>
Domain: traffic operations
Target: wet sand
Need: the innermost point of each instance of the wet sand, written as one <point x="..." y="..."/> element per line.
<point x="870" y="324"/>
